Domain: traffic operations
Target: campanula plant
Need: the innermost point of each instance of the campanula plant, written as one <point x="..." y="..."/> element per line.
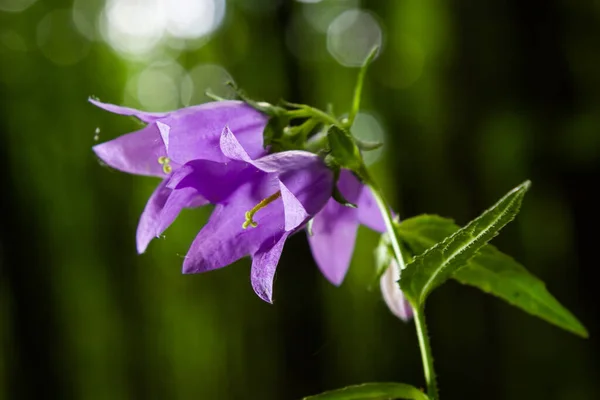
<point x="274" y="170"/>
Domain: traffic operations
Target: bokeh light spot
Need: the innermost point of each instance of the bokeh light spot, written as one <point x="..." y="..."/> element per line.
<point x="131" y="26"/>
<point x="205" y="77"/>
<point x="157" y="87"/>
<point x="136" y="27"/>
<point x="191" y="19"/>
<point x="321" y="14"/>
<point x="352" y="35"/>
<point x="59" y="40"/>
<point x="15" y="5"/>
<point x="85" y="17"/>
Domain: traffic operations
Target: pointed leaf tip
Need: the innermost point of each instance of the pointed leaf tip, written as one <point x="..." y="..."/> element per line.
<point x="492" y="272"/>
<point x="436" y="265"/>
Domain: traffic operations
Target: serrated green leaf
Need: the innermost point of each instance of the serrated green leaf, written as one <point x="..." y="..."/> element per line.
<point x="372" y="391"/>
<point x="493" y="272"/>
<point x="436" y="265"/>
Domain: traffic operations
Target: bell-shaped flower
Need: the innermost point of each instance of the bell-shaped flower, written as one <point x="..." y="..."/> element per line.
<point x="334" y="228"/>
<point x="172" y="139"/>
<point x="392" y="295"/>
<point x="259" y="204"/>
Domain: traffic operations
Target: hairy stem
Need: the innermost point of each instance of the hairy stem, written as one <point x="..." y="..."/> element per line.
<point x="420" y="325"/>
<point x="426" y="356"/>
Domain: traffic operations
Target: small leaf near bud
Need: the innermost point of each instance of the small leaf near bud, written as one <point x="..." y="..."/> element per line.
<point x="344" y="150"/>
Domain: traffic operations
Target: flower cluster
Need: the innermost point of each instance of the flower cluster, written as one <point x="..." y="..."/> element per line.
<point x="213" y="154"/>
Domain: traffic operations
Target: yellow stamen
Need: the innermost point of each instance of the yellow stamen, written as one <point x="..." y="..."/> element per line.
<point x="164" y="161"/>
<point x="250" y="214"/>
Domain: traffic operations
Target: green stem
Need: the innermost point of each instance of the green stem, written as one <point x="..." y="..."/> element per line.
<point x="387" y="219"/>
<point x="311" y="112"/>
<point x="420" y="325"/>
<point x="426" y="356"/>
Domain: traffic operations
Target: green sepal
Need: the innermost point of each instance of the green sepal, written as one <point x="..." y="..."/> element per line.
<point x="262" y="106"/>
<point x="436" y="265"/>
<point x="372" y="391"/>
<point x="208" y="93"/>
<point x="491" y="271"/>
<point x="273" y="132"/>
<point x="339" y="197"/>
<point x="383" y="256"/>
<point x="344" y="150"/>
<point x="367" y="146"/>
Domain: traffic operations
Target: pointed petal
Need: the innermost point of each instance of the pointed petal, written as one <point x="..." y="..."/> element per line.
<point x="223" y="240"/>
<point x="281" y="163"/>
<point x="179" y="199"/>
<point x="141" y="115"/>
<point x="334" y="231"/>
<point x="295" y="213"/>
<point x="332" y="240"/>
<point x="368" y="211"/>
<point x="231" y="147"/>
<point x="264" y="265"/>
<point x="136" y="153"/>
<point x="165" y="131"/>
<point x="305" y="191"/>
<point x="146" y="229"/>
<point x="195" y="132"/>
<point x="393" y="296"/>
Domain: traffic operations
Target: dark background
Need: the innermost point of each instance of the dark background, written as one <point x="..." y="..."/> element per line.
<point x="473" y="97"/>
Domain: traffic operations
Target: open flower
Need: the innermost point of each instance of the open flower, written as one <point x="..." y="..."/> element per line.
<point x="392" y="295"/>
<point x="172" y="139"/>
<point x="334" y="227"/>
<point x="259" y="203"/>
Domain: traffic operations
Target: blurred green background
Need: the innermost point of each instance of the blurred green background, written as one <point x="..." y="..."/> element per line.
<point x="470" y="98"/>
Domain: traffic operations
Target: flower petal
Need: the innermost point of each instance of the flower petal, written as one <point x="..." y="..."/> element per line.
<point x="334" y="231"/>
<point x="141" y="115"/>
<point x="332" y="240"/>
<point x="214" y="181"/>
<point x="223" y="240"/>
<point x="264" y="265"/>
<point x="368" y="211"/>
<point x="146" y="229"/>
<point x="280" y="163"/>
<point x="306" y="181"/>
<point x="305" y="191"/>
<point x="179" y="199"/>
<point x="195" y="132"/>
<point x="136" y="153"/>
<point x="393" y="296"/>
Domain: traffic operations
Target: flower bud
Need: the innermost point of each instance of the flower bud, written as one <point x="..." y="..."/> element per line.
<point x="393" y="296"/>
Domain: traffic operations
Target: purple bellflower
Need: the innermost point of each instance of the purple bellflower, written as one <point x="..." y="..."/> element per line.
<point x="260" y="200"/>
<point x="392" y="295"/>
<point x="170" y="140"/>
<point x="259" y="204"/>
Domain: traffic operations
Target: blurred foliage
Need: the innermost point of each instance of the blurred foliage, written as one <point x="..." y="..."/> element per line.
<point x="475" y="97"/>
